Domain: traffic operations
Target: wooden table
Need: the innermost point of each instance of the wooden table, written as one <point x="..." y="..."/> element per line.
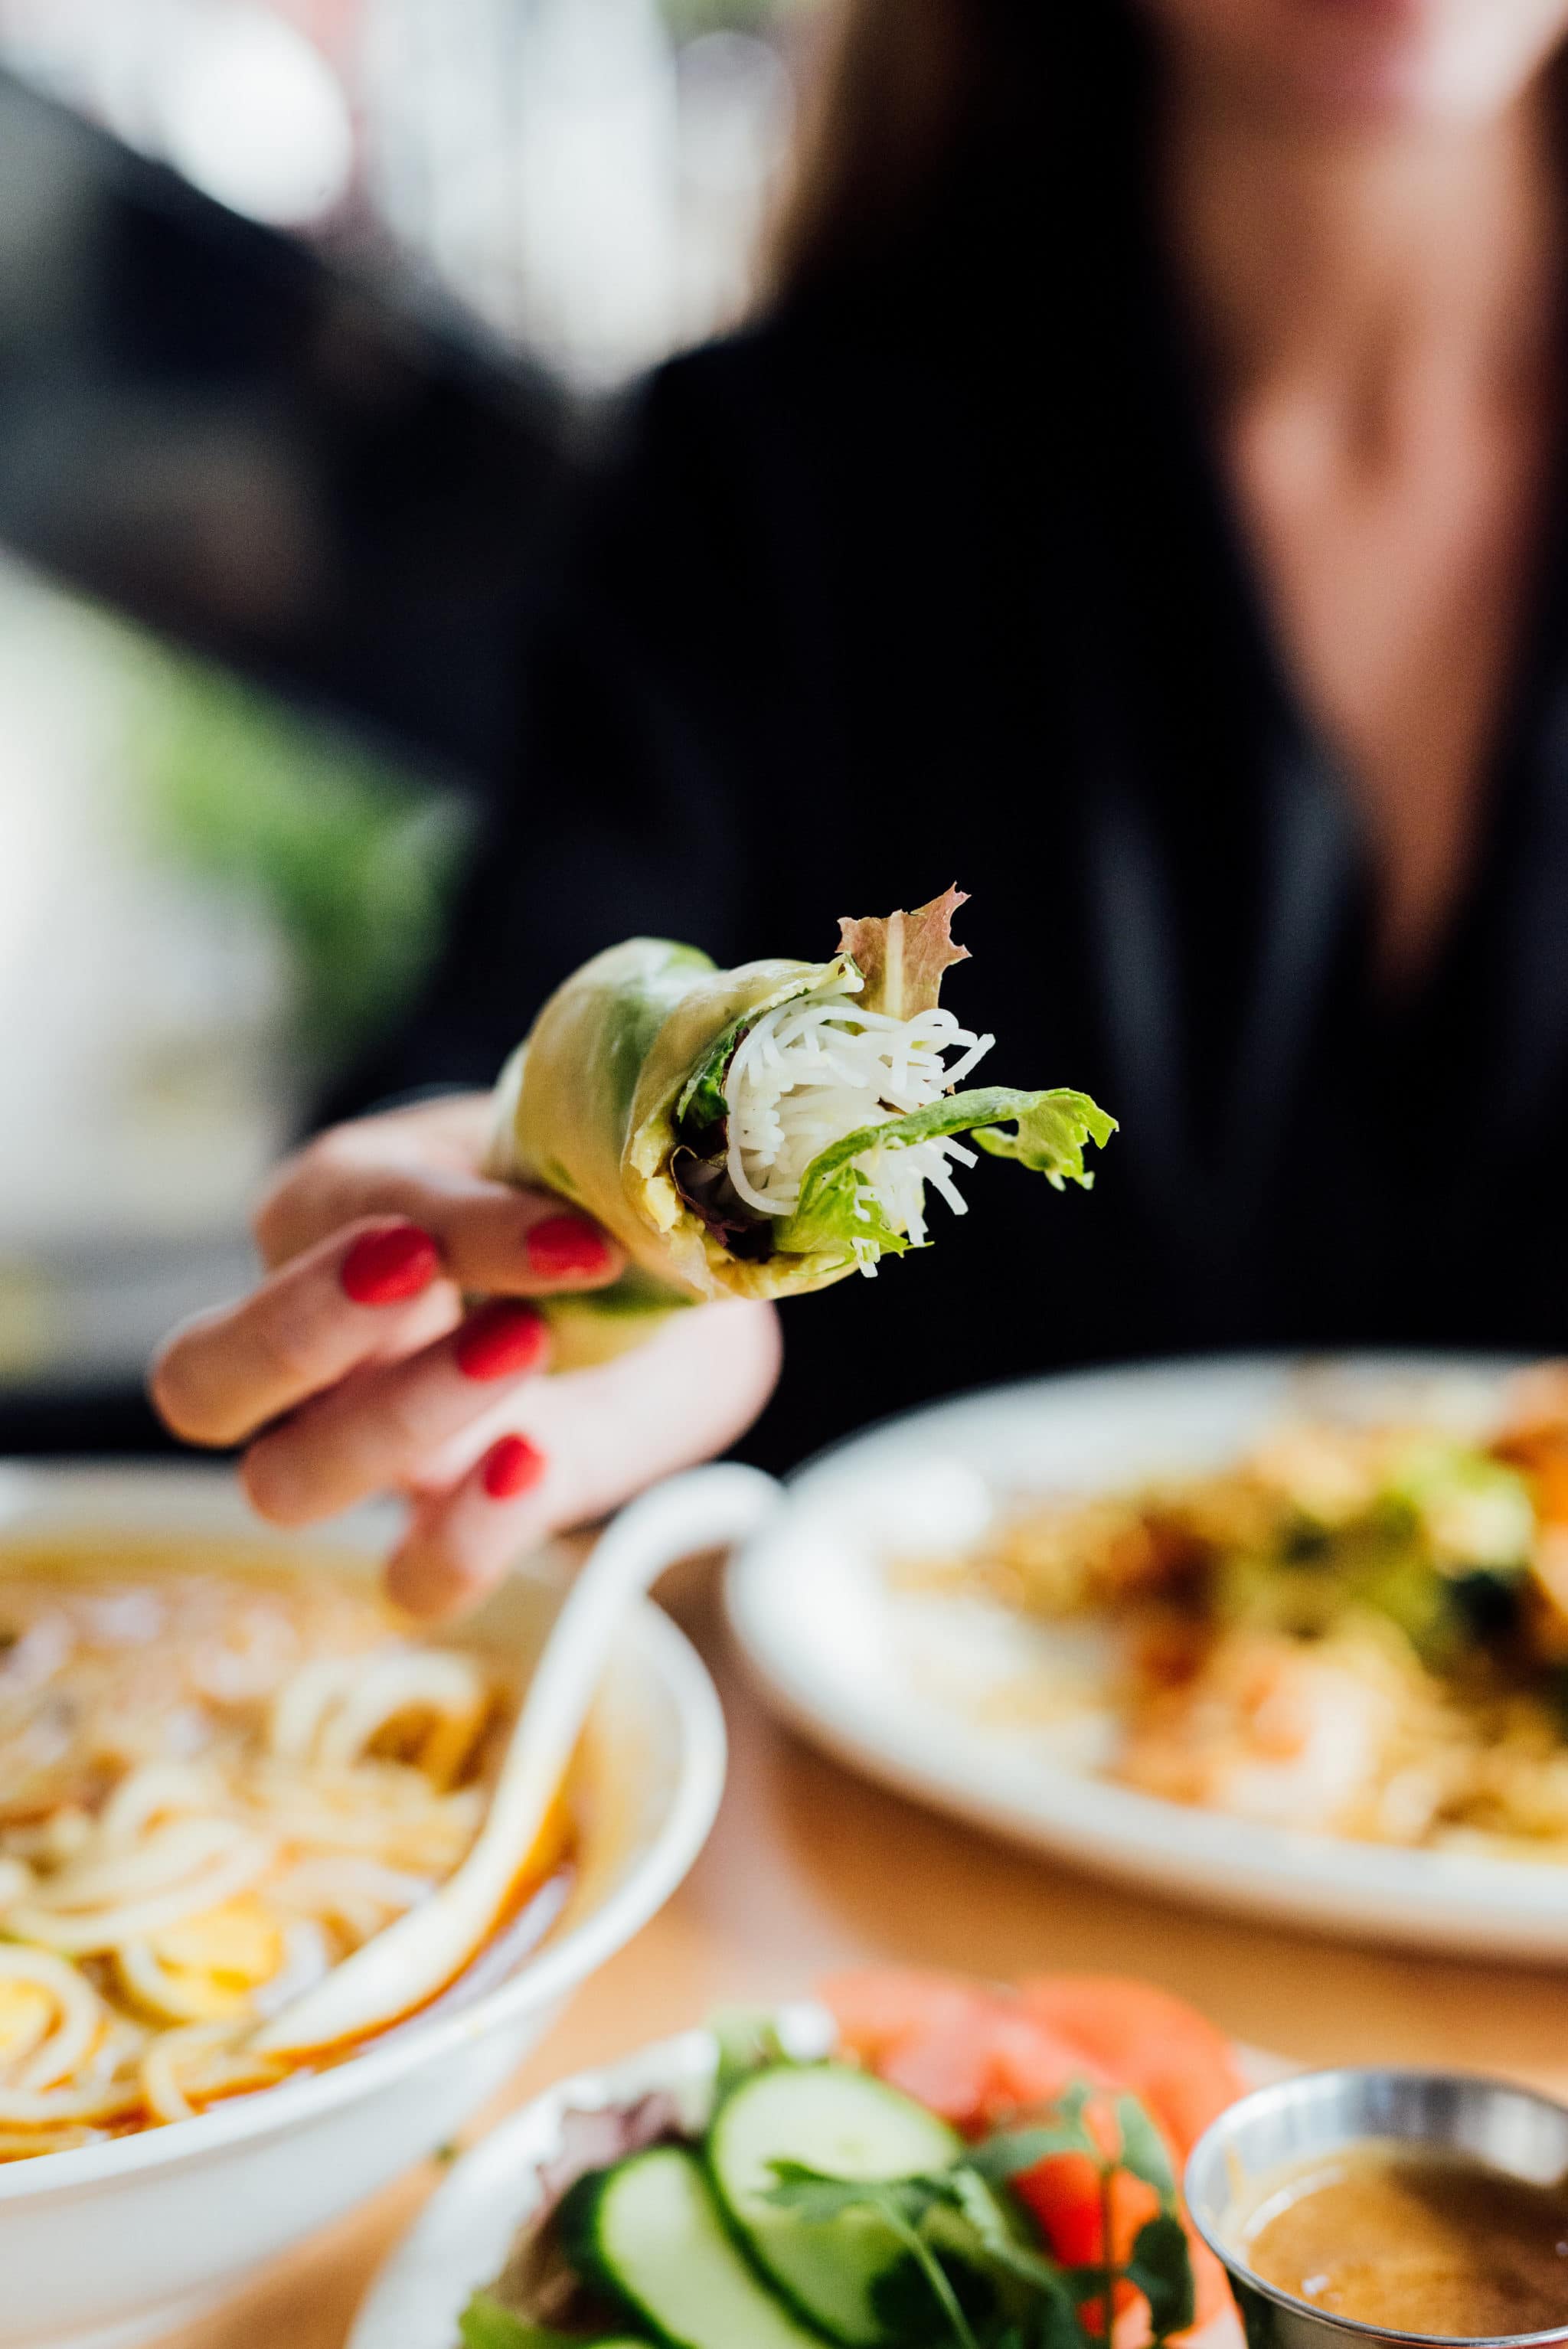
<point x="808" y="1867"/>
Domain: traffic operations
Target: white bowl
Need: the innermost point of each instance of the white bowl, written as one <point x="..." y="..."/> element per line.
<point x="112" y="2243"/>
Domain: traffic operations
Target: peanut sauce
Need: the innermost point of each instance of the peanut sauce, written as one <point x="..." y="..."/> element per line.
<point x="1419" y="2242"/>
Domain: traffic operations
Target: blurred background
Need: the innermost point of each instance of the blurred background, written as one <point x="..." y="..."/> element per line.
<point x="299" y="306"/>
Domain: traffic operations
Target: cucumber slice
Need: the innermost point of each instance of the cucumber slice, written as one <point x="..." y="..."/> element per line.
<point x="650" y="2232"/>
<point x="848" y="2125"/>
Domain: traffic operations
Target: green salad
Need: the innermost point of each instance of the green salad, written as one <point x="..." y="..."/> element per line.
<point x="816" y="2203"/>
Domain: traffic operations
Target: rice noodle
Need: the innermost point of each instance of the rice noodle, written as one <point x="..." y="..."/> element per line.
<point x="171" y="2053"/>
<point x="820" y="1067"/>
<point x="156" y="1901"/>
<point x="156" y="1789"/>
<point x="92" y="1907"/>
<point x="335" y="1709"/>
<point x="70" y="2018"/>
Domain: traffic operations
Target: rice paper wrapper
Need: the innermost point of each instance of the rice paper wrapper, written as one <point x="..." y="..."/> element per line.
<point x="586" y="1108"/>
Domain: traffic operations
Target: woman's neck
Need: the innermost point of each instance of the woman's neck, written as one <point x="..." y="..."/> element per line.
<point x="1362" y="262"/>
<point x="1380" y="318"/>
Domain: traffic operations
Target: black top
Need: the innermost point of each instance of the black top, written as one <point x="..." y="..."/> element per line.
<point x="933" y="578"/>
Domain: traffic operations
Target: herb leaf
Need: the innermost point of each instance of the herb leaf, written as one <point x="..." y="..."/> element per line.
<point x="899" y="2203"/>
<point x="486" y="2324"/>
<point x="1143" y="2150"/>
<point x="1009" y="2152"/>
<point x="978" y="2203"/>
<point x="748" y="2038"/>
<point x="814" y="2196"/>
<point x="1161" y="2268"/>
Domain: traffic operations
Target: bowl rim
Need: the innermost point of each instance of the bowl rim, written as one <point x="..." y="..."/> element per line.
<point x="1353" y="2327"/>
<point x="674" y="1666"/>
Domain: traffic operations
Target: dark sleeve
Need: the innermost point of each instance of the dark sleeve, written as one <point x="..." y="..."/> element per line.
<point x="629" y="809"/>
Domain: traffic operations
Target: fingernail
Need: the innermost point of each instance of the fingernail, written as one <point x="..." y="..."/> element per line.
<point x="511" y="1466"/>
<point x="500" y="1341"/>
<point x="387" y="1267"/>
<point x="564" y="1245"/>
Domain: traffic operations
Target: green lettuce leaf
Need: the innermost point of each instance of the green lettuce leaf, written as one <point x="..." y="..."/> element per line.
<point x="700" y="1106"/>
<point x="1050" y="1132"/>
<point x="1051" y="1129"/>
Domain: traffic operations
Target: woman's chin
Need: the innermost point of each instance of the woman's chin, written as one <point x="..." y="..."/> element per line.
<point x="1355" y="67"/>
<point x="1414" y="65"/>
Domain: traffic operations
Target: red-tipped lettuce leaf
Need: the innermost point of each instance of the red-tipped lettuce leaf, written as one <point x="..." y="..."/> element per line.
<point x="902" y="956"/>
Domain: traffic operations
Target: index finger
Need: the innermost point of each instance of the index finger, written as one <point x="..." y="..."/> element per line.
<point x="492" y="1236"/>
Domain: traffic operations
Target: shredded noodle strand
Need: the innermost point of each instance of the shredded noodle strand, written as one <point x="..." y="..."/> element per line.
<point x="820" y="1067"/>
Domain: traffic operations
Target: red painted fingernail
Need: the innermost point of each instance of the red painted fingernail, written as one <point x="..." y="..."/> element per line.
<point x="500" y="1341"/>
<point x="511" y="1466"/>
<point x="564" y="1245"/>
<point x="387" y="1267"/>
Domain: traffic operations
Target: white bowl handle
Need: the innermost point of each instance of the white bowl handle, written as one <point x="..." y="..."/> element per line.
<point x="703" y="1509"/>
<point x="432" y="1941"/>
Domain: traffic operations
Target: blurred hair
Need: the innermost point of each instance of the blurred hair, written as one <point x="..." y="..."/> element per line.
<point x="901" y="89"/>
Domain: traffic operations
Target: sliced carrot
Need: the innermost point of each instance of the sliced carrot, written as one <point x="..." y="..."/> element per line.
<point x="948" y="2068"/>
<point x="1210" y="2287"/>
<point x="973" y="2055"/>
<point x="1111" y="2013"/>
<point x="1157" y="2045"/>
<point x="1031" y="2064"/>
<point x="879" y="2007"/>
<point x="1063" y="2194"/>
<point x="985" y="2068"/>
<point x="1165" y="2052"/>
<point x="1551" y="1473"/>
<point x="983" y="2058"/>
<point x="927" y="2033"/>
<point x="1062" y="2197"/>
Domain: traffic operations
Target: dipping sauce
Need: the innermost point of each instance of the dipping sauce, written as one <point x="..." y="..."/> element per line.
<point x="1421" y="2242"/>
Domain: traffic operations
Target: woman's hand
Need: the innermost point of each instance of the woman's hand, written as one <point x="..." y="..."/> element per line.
<point x="353" y="1368"/>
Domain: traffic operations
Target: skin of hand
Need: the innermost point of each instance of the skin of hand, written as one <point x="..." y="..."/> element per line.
<point x="354" y="1368"/>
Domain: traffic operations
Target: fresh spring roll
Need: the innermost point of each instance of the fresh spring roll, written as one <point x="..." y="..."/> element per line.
<point x="763" y="1131"/>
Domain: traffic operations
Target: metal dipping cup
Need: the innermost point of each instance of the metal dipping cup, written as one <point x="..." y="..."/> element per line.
<point x="1320" y="2113"/>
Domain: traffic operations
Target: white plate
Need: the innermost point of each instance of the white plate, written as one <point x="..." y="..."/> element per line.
<point x="896" y="1685"/>
<point x="461" y="2239"/>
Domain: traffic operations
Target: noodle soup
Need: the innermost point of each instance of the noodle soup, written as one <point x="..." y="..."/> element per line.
<point x="218" y="1779"/>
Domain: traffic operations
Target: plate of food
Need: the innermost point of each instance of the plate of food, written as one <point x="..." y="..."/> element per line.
<point x="908" y="2157"/>
<point x="1287" y="1636"/>
<point x="229" y="1773"/>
